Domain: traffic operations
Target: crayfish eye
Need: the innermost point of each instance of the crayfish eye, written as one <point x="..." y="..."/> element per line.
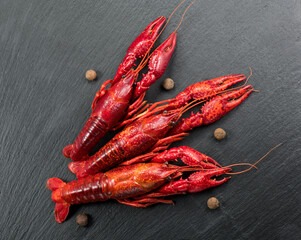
<point x="123" y="76"/>
<point x="165" y="111"/>
<point x="173" y="123"/>
<point x="134" y="84"/>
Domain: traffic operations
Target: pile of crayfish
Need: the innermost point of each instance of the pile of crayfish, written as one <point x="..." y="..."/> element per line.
<point x="133" y="167"/>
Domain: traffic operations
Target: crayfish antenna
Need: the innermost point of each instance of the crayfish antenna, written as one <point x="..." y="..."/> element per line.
<point x="252" y="165"/>
<point x="184" y="15"/>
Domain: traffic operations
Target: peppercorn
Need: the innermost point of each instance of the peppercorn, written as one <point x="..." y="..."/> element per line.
<point x="219" y="133"/>
<point x="168" y="84"/>
<point x="213" y="203"/>
<point x="91" y="75"/>
<point x="82" y="219"/>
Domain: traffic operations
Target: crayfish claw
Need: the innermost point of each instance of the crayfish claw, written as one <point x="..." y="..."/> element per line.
<point x="157" y="64"/>
<point x="192" y="157"/>
<point x="224" y="82"/>
<point x="219" y="182"/>
<point x="139" y="47"/>
<point x="213" y="110"/>
<point x="220" y="105"/>
<point x="209" y="173"/>
<point x="235" y="98"/>
<point x="152" y="30"/>
<point x="188" y="155"/>
<point x="211" y="160"/>
<point x="202" y="180"/>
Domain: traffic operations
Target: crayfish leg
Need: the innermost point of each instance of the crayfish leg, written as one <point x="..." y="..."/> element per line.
<point x="160" y="145"/>
<point x="144" y="202"/>
<point x="100" y="93"/>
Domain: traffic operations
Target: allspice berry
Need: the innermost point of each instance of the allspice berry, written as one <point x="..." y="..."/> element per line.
<point x="168" y="84"/>
<point x="219" y="133"/>
<point x="91" y="75"/>
<point x="212" y="203"/>
<point x="82" y="219"/>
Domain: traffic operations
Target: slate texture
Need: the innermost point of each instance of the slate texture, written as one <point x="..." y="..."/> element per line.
<point x="45" y="49"/>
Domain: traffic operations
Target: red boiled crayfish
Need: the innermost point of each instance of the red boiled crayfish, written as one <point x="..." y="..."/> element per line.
<point x="111" y="106"/>
<point x="155" y="133"/>
<point x="133" y="185"/>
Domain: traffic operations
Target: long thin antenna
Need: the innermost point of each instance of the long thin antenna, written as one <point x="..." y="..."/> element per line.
<point x="253" y="165"/>
<point x="184" y="14"/>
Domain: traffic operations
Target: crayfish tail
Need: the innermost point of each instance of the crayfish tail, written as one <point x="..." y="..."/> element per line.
<point x="61" y="211"/>
<point x="78" y="168"/>
<point x="67" y="150"/>
<point x="54" y="184"/>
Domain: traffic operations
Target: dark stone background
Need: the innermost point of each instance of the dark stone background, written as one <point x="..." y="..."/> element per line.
<point x="45" y="49"/>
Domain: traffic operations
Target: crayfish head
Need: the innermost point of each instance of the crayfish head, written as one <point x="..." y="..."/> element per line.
<point x="122" y="90"/>
<point x="153" y="175"/>
<point x="139" y="178"/>
<point x="158" y="125"/>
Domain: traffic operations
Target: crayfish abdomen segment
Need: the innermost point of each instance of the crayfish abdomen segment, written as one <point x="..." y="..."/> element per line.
<point x="89" y="189"/>
<point x="94" y="129"/>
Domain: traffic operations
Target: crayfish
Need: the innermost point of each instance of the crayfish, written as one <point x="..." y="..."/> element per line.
<point x="141" y="184"/>
<point x="144" y="184"/>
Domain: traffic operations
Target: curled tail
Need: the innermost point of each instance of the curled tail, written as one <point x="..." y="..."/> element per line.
<point x="78" y="168"/>
<point x="61" y="209"/>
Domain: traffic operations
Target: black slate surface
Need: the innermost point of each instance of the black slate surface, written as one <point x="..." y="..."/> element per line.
<point x="45" y="49"/>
